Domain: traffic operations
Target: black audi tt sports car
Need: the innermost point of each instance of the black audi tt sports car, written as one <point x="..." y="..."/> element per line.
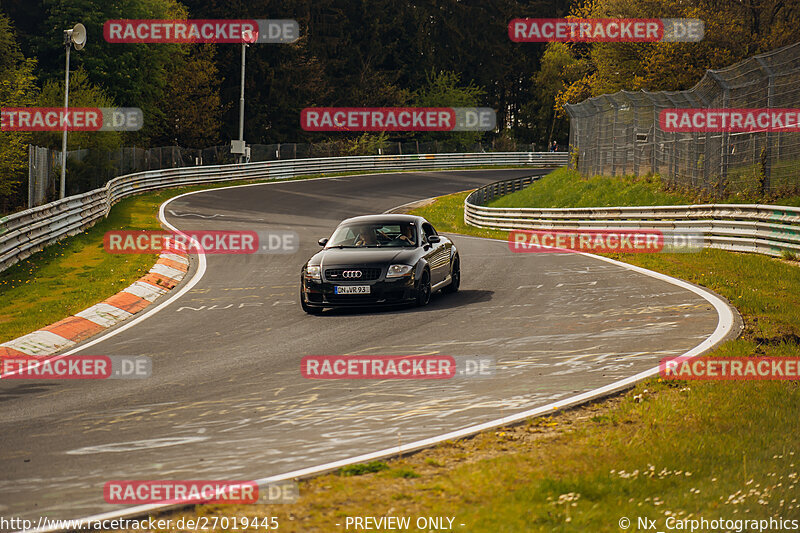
<point x="377" y="260"/>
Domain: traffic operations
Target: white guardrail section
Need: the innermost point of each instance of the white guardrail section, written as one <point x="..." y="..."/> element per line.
<point x="27" y="232"/>
<point x="763" y="229"/>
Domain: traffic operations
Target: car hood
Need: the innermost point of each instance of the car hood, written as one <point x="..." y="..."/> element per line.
<point x="334" y="257"/>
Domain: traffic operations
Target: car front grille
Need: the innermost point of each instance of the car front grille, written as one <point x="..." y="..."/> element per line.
<point x="367" y="274"/>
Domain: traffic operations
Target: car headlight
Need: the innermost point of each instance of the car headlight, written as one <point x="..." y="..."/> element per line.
<point x="395" y="271"/>
<point x="313" y="272"/>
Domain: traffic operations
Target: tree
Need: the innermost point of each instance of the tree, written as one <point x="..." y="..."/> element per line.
<point x="17" y="89"/>
<point x="89" y="169"/>
<point x="444" y="89"/>
<point x="733" y="31"/>
<point x="281" y="79"/>
<point x="133" y="75"/>
<point x="375" y="53"/>
<point x="559" y="70"/>
<point x="192" y="102"/>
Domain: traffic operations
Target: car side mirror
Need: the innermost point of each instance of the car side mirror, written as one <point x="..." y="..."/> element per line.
<point x="433" y="239"/>
<point x="323" y="242"/>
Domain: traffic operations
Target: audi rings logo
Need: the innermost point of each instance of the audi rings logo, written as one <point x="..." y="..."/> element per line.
<point x="351" y="274"/>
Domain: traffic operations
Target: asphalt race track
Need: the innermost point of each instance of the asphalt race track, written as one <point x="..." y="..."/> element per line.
<point x="226" y="399"/>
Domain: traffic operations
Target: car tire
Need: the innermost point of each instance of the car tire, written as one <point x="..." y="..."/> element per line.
<point x="424" y="289"/>
<point x="455" y="277"/>
<point x="308" y="309"/>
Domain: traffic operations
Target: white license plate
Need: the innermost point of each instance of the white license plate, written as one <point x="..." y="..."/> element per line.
<point x="351" y="289"/>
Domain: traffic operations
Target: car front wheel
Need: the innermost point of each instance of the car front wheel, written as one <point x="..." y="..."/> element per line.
<point x="308" y="309"/>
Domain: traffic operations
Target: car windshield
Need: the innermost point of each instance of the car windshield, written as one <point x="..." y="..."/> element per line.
<point x="374" y="235"/>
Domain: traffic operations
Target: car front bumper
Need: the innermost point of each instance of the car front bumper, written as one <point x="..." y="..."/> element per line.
<point x="382" y="292"/>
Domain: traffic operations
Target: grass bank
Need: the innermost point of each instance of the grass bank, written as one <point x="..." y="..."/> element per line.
<point x="567" y="188"/>
<point x="73" y="274"/>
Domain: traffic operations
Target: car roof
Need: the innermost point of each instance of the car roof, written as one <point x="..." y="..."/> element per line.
<point x="384" y="218"/>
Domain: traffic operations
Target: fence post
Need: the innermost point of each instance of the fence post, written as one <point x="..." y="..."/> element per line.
<point x="573" y="134"/>
<point x="674" y="159"/>
<point x="726" y="138"/>
<point x="653" y="161"/>
<point x="613" y="104"/>
<point x="635" y="109"/>
<point x="766" y="185"/>
<point x="693" y="96"/>
<point x="597" y="160"/>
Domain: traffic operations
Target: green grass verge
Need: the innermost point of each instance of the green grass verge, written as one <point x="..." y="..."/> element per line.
<point x="567" y="188"/>
<point x="75" y="273"/>
<point x="363" y="468"/>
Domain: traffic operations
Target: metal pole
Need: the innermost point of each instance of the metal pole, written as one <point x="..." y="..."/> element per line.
<point x="654" y="168"/>
<point x="32" y="181"/>
<point x="770" y="140"/>
<point x="614" y="139"/>
<point x="241" y="103"/>
<point x="635" y="137"/>
<point x="62" y="186"/>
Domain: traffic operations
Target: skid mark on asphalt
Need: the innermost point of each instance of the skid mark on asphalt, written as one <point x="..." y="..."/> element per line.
<point x="135" y="446"/>
<point x="368" y="403"/>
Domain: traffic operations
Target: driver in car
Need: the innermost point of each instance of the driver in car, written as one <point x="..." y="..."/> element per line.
<point x="407" y="235"/>
<point x="365" y="238"/>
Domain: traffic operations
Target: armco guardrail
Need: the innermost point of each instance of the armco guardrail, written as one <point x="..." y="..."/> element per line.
<point x="27" y="232"/>
<point x="764" y="229"/>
